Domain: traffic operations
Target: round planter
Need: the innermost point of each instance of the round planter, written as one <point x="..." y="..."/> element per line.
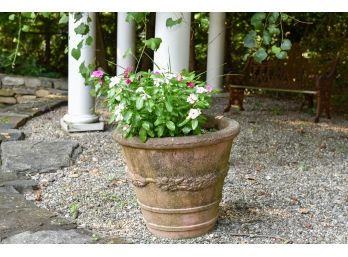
<point x="178" y="180"/>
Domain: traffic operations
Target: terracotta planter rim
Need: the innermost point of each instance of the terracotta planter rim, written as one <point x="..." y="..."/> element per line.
<point x="228" y="128"/>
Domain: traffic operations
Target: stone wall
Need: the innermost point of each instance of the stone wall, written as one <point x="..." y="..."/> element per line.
<point x="21" y="89"/>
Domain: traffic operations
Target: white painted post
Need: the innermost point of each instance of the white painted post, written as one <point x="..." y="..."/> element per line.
<point x="80" y="116"/>
<point x="173" y="54"/>
<point x="216" y="47"/>
<point x="125" y="41"/>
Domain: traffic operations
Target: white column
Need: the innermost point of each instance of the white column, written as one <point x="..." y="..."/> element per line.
<point x="125" y="41"/>
<point x="174" y="51"/>
<point x="216" y="47"/>
<point x="80" y="116"/>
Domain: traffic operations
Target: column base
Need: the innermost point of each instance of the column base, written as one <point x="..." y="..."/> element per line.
<point x="81" y="127"/>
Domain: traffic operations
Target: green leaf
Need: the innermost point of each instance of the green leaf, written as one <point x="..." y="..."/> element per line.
<point x="84" y="70"/>
<point x="45" y="14"/>
<point x="153" y="43"/>
<point x="170" y="22"/>
<point x="281" y="55"/>
<point x="12" y="17"/>
<point x="169" y="107"/>
<point x="139" y="103"/>
<point x="250" y="39"/>
<point x="143" y="135"/>
<point x="77" y="16"/>
<point x="76" y="53"/>
<point x="160" y="131"/>
<point x="64" y="19"/>
<point x="146" y="125"/>
<point x="186" y="130"/>
<point x="256" y="20"/>
<point x="170" y="125"/>
<point x="128" y="53"/>
<point x="183" y="123"/>
<point x="89" y="40"/>
<point x="273" y="17"/>
<point x="150" y="133"/>
<point x="25" y="28"/>
<point x="266" y="37"/>
<point x="136" y="16"/>
<point x="286" y="45"/>
<point x="128" y="116"/>
<point x="194" y="124"/>
<point x="284" y="16"/>
<point x="273" y="29"/>
<point x="260" y="55"/>
<point x="82" y="29"/>
<point x="276" y="49"/>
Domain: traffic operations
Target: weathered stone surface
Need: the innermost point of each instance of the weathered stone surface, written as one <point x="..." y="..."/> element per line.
<point x="60" y="84"/>
<point x="12" y="120"/>
<point x="11" y="135"/>
<point x="46" y="83"/>
<point x="32" y="82"/>
<point x="34" y="157"/>
<point x="8" y="190"/>
<point x="6" y="92"/>
<point x="8" y="176"/>
<point x="42" y="93"/>
<point x="58" y="92"/>
<point x="13" y="201"/>
<point x="12" y="81"/>
<point x="8" y="100"/>
<point x="24" y="91"/>
<point x="25" y="98"/>
<point x="21" y="185"/>
<point x="49" y="237"/>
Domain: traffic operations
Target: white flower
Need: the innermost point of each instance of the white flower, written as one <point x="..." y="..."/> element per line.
<point x="114" y="81"/>
<point x="157" y="82"/>
<point x="201" y="90"/>
<point x="119" y="117"/>
<point x="192" y="99"/>
<point x="194" y="113"/>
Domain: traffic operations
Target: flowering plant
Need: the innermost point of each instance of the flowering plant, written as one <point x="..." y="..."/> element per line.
<point x="154" y="104"/>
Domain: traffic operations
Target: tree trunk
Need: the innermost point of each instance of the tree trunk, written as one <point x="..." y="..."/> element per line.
<point x="146" y="62"/>
<point x="192" y="61"/>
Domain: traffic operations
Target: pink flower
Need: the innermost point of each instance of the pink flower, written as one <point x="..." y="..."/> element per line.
<point x="156" y="72"/>
<point x="98" y="73"/>
<point x="128" y="81"/>
<point x="192" y="98"/>
<point x="127" y="71"/>
<point x="179" y="77"/>
<point x="209" y="88"/>
<point x="190" y="84"/>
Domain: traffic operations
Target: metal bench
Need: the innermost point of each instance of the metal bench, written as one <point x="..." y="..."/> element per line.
<point x="296" y="75"/>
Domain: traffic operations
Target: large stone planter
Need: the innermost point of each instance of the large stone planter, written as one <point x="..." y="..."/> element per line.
<point x="178" y="180"/>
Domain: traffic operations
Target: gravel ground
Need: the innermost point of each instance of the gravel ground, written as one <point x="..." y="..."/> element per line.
<point x="288" y="181"/>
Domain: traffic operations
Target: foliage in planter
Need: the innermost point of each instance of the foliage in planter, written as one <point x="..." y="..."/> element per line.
<point x="154" y="104"/>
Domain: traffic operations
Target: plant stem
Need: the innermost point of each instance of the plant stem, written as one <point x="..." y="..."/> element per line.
<point x="18" y="41"/>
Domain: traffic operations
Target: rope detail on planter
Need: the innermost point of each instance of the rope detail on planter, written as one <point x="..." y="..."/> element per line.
<point x="178" y="183"/>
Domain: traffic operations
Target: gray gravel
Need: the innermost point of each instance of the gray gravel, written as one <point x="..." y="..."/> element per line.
<point x="288" y="181"/>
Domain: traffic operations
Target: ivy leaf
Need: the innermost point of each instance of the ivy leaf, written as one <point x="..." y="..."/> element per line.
<point x="82" y="29"/>
<point x="171" y="23"/>
<point x="136" y="16"/>
<point x="64" y="19"/>
<point x="256" y="20"/>
<point x="250" y="39"/>
<point x="45" y="14"/>
<point x="142" y="135"/>
<point x="281" y="55"/>
<point x="25" y="28"/>
<point x="273" y="29"/>
<point x="266" y="37"/>
<point x="139" y="103"/>
<point x="89" y="40"/>
<point x="273" y="17"/>
<point x="12" y="17"/>
<point x="284" y="16"/>
<point x="77" y="16"/>
<point x="153" y="43"/>
<point x="76" y="53"/>
<point x="286" y="45"/>
<point x="260" y="55"/>
<point x="84" y="71"/>
<point x="194" y="124"/>
<point x="170" y="125"/>
<point x="276" y="49"/>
